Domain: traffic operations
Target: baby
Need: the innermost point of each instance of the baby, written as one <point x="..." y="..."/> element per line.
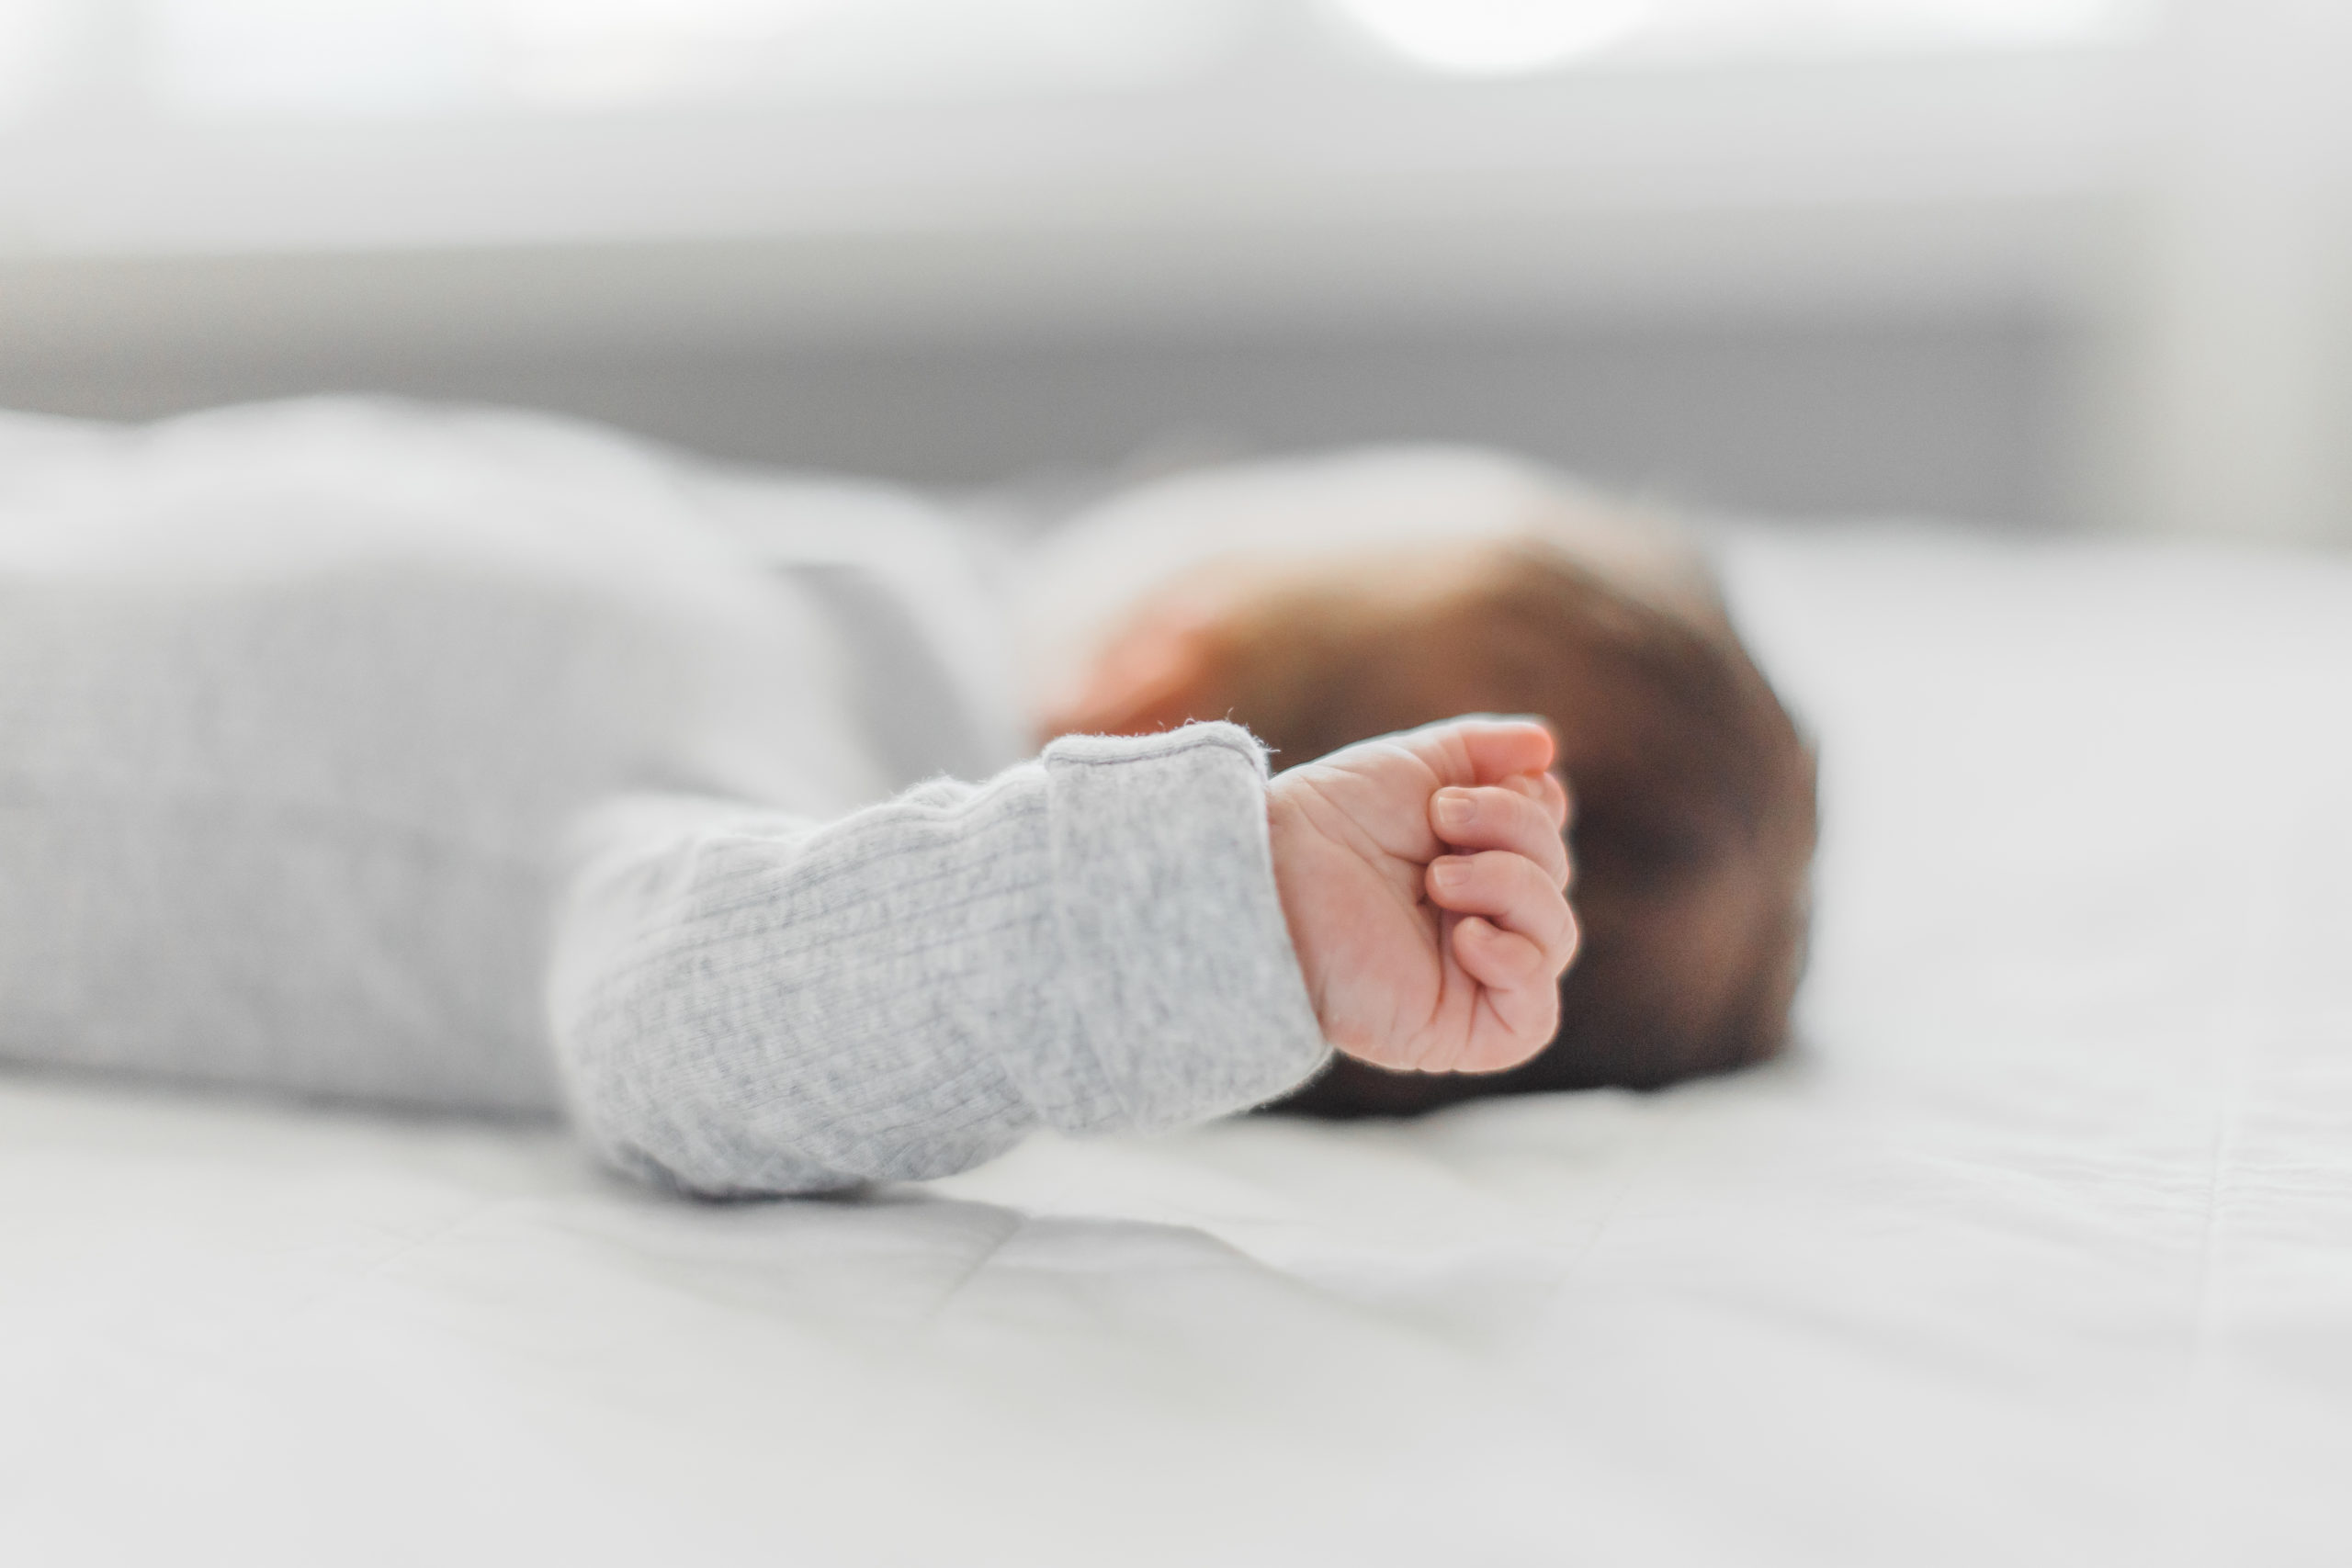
<point x="475" y="761"/>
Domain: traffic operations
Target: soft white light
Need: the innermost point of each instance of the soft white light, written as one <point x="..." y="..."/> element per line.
<point x="323" y="57"/>
<point x="33" y="35"/>
<point x="2022" y="22"/>
<point x="1496" y="36"/>
<point x="1767" y="28"/>
<point x="591" y="53"/>
<point x="587" y="53"/>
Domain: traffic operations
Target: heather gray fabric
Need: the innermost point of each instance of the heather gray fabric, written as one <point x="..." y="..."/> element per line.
<point x="908" y="706"/>
<point x="753" y="1003"/>
<point x="312" y="716"/>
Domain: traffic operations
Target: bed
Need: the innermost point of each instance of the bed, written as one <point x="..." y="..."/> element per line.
<point x="2039" y="1249"/>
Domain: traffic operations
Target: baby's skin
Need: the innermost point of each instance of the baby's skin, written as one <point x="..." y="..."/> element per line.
<point x="1424" y="876"/>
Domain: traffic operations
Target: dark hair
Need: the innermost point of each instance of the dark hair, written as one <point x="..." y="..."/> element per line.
<point x="1694" y="798"/>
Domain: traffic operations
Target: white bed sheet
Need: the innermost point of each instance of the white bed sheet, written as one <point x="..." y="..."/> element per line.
<point x="2040" y="1251"/>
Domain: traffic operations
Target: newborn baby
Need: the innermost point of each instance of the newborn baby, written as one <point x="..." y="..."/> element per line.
<point x="471" y="761"/>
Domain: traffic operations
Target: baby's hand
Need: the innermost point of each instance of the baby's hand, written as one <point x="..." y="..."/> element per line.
<point x="1424" y="876"/>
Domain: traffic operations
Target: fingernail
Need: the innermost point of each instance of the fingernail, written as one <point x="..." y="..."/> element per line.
<point x="1453" y="811"/>
<point x="1449" y="873"/>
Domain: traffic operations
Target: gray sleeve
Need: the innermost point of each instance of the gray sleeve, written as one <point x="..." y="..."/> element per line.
<point x="750" y="1003"/>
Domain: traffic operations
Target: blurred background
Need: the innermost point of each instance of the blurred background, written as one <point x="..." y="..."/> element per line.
<point x="2047" y="263"/>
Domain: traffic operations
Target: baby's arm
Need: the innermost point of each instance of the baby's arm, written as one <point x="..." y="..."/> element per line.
<point x="1119" y="936"/>
<point x="745" y="1002"/>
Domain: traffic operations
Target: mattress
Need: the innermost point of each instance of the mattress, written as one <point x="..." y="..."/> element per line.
<point x="2038" y="1249"/>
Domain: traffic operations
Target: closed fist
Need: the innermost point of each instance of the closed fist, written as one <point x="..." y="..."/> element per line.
<point x="1424" y="876"/>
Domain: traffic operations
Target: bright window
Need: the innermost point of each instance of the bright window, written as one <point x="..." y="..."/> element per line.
<point x="1499" y="37"/>
<point x="338" y="58"/>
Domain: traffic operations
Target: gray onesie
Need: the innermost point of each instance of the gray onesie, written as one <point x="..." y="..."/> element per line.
<point x="477" y="762"/>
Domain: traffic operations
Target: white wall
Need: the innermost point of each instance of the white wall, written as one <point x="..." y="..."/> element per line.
<point x="2221" y="400"/>
<point x="2089" y="283"/>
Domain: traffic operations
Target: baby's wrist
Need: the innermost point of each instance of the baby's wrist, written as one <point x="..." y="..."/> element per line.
<point x="1284" y="828"/>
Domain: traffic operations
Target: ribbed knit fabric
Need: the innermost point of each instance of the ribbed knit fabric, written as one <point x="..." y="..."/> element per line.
<point x="747" y="1003"/>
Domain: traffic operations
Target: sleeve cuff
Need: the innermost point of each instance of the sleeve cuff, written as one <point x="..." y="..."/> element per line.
<point x="1181" y="980"/>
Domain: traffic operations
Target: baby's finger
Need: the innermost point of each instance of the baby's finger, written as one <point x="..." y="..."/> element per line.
<point x="1519" y="1006"/>
<point x="1481" y="751"/>
<point x="1496" y="958"/>
<point x="1556" y="804"/>
<point x="1501" y="748"/>
<point x="1511" y="890"/>
<point x="1545" y="788"/>
<point x="1500" y="817"/>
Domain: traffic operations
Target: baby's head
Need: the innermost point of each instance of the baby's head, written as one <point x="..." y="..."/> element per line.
<point x="1321" y="603"/>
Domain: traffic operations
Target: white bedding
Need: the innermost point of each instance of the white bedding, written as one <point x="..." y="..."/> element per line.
<point x="2040" y="1251"/>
